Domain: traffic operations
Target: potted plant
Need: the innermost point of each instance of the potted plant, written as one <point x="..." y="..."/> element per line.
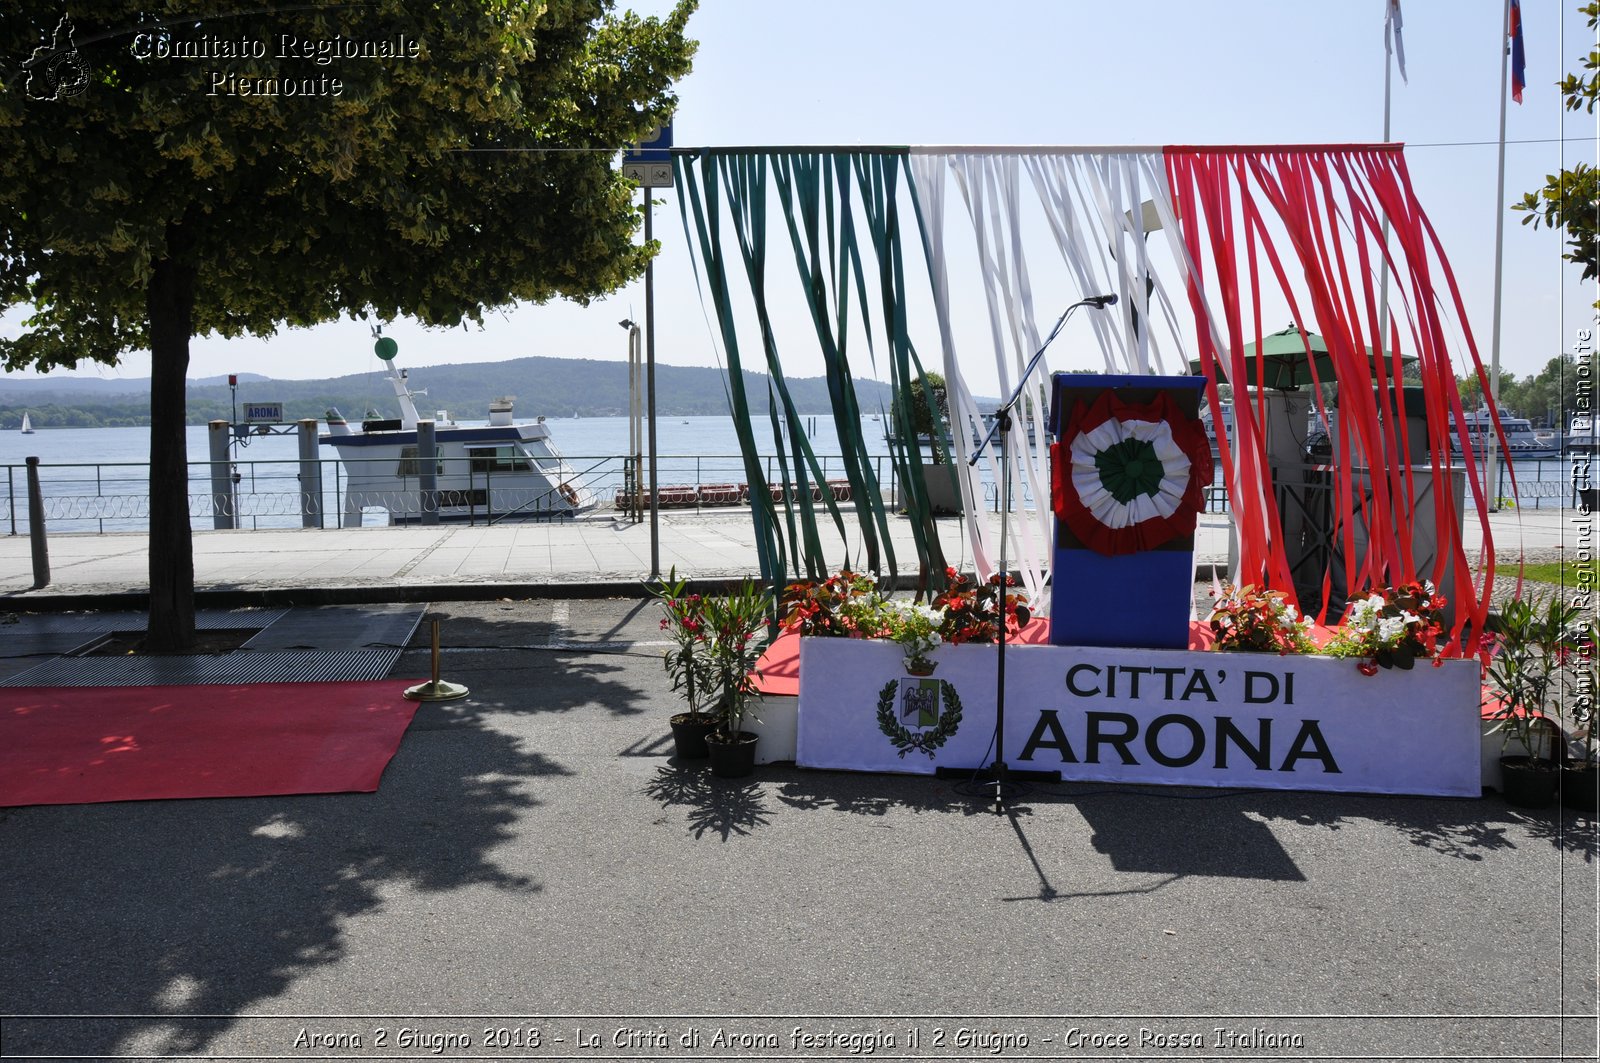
<point x="733" y="622"/>
<point x="1580" y="780"/>
<point x="1580" y="775"/>
<point x="689" y="663"/>
<point x="1260" y="621"/>
<point x="1530" y="642"/>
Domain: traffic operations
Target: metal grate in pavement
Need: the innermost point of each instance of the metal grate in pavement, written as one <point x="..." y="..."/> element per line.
<point x="239" y="667"/>
<point x="341" y="627"/>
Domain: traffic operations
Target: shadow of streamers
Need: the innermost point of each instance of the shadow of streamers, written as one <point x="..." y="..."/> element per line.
<point x="1463" y="828"/>
<point x="721" y="807"/>
<point x="161" y="910"/>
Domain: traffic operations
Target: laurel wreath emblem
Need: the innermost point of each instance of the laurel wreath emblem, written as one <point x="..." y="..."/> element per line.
<point x="922" y="741"/>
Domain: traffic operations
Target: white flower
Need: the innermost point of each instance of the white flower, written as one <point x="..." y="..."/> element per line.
<point x="1365" y="612"/>
<point x="1391" y="628"/>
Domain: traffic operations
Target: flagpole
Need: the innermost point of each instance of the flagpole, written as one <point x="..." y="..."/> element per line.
<point x="1491" y="438"/>
<point x="1383" y="261"/>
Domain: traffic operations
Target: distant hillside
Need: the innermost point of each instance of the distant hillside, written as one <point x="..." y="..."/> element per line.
<point x="553" y="387"/>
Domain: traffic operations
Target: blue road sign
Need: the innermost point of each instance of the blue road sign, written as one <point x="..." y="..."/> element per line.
<point x="656" y="149"/>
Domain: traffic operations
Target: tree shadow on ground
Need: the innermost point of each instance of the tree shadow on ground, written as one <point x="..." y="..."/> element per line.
<point x="720" y="807"/>
<point x="166" y="909"/>
<point x="1464" y="828"/>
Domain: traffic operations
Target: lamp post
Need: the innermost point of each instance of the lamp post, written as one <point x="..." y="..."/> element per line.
<point x="633" y="484"/>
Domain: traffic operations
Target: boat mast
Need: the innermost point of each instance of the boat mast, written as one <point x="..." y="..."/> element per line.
<point x="402" y="394"/>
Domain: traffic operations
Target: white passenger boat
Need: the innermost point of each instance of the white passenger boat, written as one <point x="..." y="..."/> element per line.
<point x="1520" y="442"/>
<point x="503" y="471"/>
<point x="1583" y="433"/>
<point x="1209" y="421"/>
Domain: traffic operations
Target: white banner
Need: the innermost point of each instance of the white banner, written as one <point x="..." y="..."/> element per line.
<point x="1145" y="716"/>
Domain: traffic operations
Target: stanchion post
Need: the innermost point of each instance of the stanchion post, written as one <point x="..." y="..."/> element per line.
<point x="436" y="689"/>
<point x="36" y="539"/>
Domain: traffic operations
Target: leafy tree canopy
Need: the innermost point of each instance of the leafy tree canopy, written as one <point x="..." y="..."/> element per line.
<point x="477" y="173"/>
<point x="1571" y="199"/>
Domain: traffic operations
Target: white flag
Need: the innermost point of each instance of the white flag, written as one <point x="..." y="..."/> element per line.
<point x="1392" y="41"/>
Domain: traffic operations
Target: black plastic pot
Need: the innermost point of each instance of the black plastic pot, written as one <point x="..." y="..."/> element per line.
<point x="689" y="731"/>
<point x="733" y="756"/>
<point x="1578" y="786"/>
<point x="1528" y="782"/>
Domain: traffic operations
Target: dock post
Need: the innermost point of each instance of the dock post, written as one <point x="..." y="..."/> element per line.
<point x="224" y="506"/>
<point x="310" y="476"/>
<point x="36" y="539"/>
<point x="428" y="472"/>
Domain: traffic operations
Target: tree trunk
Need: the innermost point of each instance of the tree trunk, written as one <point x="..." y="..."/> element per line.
<point x="170" y="304"/>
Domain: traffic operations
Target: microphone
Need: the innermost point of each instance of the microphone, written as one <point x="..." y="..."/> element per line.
<point x="1100" y="302"/>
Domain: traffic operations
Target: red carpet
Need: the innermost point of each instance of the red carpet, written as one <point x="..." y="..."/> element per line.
<point x="82" y="745"/>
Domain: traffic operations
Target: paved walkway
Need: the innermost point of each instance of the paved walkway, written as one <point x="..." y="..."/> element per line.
<point x="534" y="851"/>
<point x="598" y="557"/>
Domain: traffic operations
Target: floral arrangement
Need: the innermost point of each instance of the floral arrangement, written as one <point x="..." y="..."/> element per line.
<point x="917" y="630"/>
<point x="849" y="605"/>
<point x="969" y="609"/>
<point x="1392" y="628"/>
<point x="1247" y="618"/>
<point x="845" y="605"/>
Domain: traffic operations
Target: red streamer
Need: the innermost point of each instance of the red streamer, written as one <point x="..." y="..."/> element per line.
<point x="1331" y="206"/>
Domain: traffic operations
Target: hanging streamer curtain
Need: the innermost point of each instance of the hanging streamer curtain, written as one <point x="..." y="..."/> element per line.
<point x="1328" y="206"/>
<point x="1093" y="205"/>
<point x="1238" y="233"/>
<point x="826" y="200"/>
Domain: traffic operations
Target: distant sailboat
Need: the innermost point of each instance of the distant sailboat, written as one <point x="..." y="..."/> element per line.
<point x="27" y="425"/>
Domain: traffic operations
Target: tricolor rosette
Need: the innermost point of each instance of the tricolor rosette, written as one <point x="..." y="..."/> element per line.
<point x="1129" y="477"/>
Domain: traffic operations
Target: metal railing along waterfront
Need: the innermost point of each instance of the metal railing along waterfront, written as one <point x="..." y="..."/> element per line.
<point x="115" y="496"/>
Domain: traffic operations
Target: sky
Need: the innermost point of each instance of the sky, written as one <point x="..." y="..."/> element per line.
<point x="1067" y="72"/>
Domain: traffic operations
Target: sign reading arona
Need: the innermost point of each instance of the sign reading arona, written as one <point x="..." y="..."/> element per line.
<point x="1148" y="716"/>
<point x="263" y="412"/>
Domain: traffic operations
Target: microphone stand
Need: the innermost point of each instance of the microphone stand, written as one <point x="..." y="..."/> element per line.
<point x="1002" y="427"/>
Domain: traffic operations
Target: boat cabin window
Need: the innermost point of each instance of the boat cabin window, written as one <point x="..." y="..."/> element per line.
<point x="410" y="466"/>
<point x="498" y="459"/>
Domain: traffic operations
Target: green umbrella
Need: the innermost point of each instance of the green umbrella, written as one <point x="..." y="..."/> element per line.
<point x="1282" y="362"/>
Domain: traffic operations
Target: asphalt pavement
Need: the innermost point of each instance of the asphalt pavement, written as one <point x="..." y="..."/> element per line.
<point x="538" y="878"/>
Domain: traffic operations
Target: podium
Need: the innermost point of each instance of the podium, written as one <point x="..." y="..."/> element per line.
<point x="1128" y="477"/>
